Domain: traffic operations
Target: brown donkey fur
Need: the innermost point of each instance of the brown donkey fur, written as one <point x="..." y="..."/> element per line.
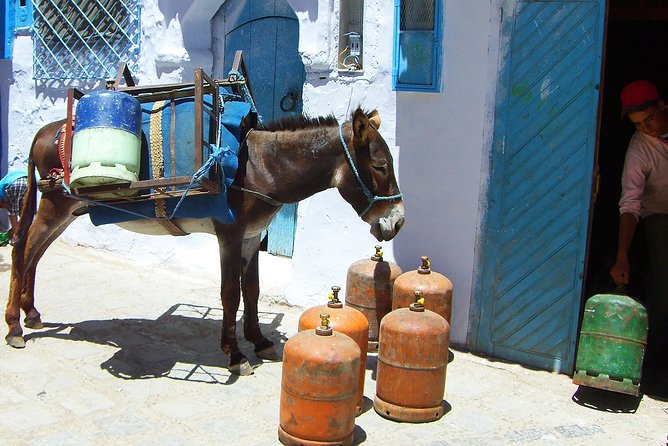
<point x="288" y="162"/>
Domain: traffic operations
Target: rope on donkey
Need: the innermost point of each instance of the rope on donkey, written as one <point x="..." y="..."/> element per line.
<point x="158" y="168"/>
<point x="245" y="92"/>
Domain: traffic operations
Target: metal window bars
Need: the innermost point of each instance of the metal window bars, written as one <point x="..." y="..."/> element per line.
<point x="84" y="39"/>
<point x="417" y="15"/>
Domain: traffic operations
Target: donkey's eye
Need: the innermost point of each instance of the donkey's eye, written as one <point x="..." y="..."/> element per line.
<point x="379" y="166"/>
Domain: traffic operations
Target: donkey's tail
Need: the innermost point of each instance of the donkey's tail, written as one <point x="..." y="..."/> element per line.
<point x="29" y="205"/>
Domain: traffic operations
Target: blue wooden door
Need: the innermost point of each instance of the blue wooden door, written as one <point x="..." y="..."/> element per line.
<point x="534" y="241"/>
<point x="267" y="31"/>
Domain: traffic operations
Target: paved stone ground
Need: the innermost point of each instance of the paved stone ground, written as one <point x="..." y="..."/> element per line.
<point x="129" y="355"/>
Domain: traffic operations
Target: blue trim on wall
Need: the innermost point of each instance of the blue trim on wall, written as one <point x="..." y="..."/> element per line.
<point x="7" y="9"/>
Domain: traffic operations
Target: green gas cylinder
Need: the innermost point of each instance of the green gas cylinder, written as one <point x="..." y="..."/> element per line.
<point x="612" y="344"/>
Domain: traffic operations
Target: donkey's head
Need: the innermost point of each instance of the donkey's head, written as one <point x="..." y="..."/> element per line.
<point x="368" y="182"/>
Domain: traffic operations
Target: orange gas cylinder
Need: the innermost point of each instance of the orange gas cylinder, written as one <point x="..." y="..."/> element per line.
<point x="348" y="321"/>
<point x="319" y="388"/>
<point x="412" y="361"/>
<point x="436" y="290"/>
<point x="369" y="290"/>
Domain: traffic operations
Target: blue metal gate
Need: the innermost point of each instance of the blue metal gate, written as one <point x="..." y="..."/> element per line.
<point x="267" y="31"/>
<point x="536" y="227"/>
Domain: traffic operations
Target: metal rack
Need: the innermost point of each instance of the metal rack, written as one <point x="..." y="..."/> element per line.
<point x="166" y="187"/>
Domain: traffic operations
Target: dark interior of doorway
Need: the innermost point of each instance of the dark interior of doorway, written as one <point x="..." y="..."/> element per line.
<point x="635" y="48"/>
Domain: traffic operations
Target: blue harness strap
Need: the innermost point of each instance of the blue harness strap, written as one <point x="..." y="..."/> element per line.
<point x="371" y="198"/>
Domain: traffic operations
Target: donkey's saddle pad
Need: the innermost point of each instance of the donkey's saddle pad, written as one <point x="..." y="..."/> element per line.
<point x="176" y="138"/>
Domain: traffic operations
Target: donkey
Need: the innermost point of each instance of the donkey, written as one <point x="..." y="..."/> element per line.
<point x="284" y="162"/>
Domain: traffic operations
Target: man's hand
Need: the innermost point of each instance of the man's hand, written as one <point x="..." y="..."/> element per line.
<point x="621" y="271"/>
<point x="13" y="236"/>
<point x="14" y="230"/>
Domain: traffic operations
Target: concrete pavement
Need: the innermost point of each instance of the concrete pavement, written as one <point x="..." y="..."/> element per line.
<point x="130" y="355"/>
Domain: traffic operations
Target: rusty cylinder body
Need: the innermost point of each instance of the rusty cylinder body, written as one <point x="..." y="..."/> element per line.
<point x="435" y="287"/>
<point x="369" y="290"/>
<point x="348" y="321"/>
<point x="412" y="362"/>
<point x="318" y="389"/>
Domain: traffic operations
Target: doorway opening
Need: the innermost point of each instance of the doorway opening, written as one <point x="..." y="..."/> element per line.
<point x="634" y="49"/>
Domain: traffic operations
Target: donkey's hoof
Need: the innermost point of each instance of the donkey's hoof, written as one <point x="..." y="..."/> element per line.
<point x="15" y="341"/>
<point x="265" y="350"/>
<point x="34" y="323"/>
<point x="242" y="369"/>
<point x="268" y="353"/>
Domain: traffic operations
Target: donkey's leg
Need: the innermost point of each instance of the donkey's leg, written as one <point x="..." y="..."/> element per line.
<point x="33" y="318"/>
<point x="250" y="286"/>
<point x="230" y="295"/>
<point x="48" y="232"/>
<point x="51" y="220"/>
<point x="12" y="312"/>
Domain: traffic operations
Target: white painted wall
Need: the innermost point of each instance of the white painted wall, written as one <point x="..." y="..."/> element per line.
<point x="444" y="140"/>
<point x="440" y="142"/>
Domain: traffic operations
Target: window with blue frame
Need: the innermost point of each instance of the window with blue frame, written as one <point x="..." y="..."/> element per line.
<point x="84" y="39"/>
<point x="417" y="45"/>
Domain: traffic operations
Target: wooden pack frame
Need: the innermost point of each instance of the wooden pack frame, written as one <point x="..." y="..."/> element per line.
<point x="163" y="187"/>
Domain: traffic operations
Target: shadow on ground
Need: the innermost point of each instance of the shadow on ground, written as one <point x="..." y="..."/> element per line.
<point x="605" y="400"/>
<point x="183" y="343"/>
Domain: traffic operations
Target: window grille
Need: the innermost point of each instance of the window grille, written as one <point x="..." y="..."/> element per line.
<point x="417" y="45"/>
<point x="417" y="15"/>
<point x="84" y="39"/>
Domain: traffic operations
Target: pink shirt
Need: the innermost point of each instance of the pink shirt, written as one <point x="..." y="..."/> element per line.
<point x="645" y="177"/>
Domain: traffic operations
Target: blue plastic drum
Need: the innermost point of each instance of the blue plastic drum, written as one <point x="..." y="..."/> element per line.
<point x="106" y="147"/>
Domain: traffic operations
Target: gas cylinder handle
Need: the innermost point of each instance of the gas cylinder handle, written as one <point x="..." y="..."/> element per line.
<point x="334" y="301"/>
<point x="378" y="257"/>
<point x="418" y="305"/>
<point x="324" y="329"/>
<point x="425" y="268"/>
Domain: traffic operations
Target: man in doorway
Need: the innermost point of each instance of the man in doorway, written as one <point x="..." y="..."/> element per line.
<point x="13" y="187"/>
<point x="645" y="198"/>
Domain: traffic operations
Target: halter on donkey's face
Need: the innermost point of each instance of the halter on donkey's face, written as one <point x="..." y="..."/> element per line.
<point x="370" y="196"/>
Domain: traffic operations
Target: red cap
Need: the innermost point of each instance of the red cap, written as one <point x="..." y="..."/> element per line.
<point x="638" y="95"/>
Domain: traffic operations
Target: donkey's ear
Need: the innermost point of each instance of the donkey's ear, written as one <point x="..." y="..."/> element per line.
<point x="374" y="119"/>
<point x="361" y="126"/>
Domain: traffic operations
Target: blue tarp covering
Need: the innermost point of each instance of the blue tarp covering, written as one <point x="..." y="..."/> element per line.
<point x="196" y="206"/>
